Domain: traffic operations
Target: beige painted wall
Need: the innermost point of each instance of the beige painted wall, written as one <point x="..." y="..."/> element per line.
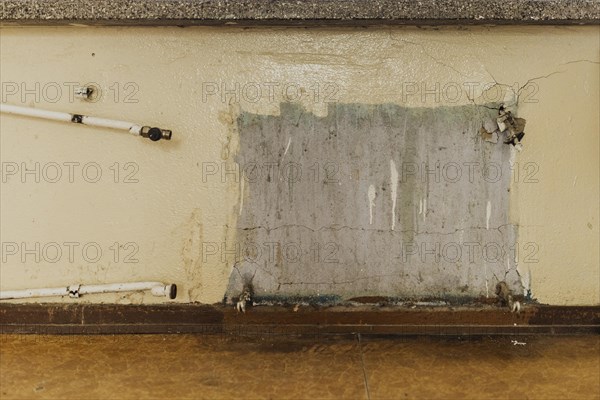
<point x="171" y="210"/>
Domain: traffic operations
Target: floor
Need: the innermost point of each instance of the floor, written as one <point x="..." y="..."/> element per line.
<point x="192" y="366"/>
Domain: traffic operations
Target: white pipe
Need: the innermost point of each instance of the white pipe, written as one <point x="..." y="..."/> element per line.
<point x="23" y="294"/>
<point x="130" y="127"/>
<point x="35" y="112"/>
<point x="156" y="288"/>
<point x="67" y="117"/>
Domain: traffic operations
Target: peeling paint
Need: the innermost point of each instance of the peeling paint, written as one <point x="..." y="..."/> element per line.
<point x="372" y="194"/>
<point x="242" y="183"/>
<point x="394" y="191"/>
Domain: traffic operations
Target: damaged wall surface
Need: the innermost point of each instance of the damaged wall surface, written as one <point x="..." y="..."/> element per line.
<point x="373" y="200"/>
<point x="378" y="121"/>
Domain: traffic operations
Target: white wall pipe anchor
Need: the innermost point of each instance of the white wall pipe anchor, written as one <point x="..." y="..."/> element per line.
<point x="156" y="288"/>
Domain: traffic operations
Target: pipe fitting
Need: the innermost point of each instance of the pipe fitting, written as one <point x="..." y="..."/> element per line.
<point x="169" y="291"/>
<point x="155" y="134"/>
<point x="84" y="92"/>
<point x="73" y="291"/>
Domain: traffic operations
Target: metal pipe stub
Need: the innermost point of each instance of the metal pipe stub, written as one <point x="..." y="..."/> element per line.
<point x="155" y="134"/>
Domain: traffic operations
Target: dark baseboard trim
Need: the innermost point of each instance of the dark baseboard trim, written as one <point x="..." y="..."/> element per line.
<point x="306" y="321"/>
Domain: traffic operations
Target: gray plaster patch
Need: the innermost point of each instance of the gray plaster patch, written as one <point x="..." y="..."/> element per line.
<point x="373" y="200"/>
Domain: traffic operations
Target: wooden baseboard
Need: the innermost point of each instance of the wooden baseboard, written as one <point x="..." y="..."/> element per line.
<point x="53" y="318"/>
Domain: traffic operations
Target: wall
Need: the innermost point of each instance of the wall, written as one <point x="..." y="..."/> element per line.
<point x="181" y="212"/>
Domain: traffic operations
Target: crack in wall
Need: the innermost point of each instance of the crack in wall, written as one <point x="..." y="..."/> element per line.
<point x="342" y="227"/>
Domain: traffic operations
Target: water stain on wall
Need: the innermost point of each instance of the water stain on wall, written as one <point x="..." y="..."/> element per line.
<point x="192" y="250"/>
<point x="373" y="200"/>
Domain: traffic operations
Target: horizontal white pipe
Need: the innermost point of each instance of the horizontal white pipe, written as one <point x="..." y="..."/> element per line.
<point x="27" y="293"/>
<point x="35" y="112"/>
<point x="156" y="288"/>
<point x="112" y="123"/>
<point x="67" y="117"/>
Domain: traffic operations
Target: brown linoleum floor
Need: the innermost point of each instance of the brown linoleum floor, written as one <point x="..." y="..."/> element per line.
<point x="211" y="367"/>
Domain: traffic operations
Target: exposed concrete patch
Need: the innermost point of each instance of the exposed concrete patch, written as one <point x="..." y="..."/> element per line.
<point x="308" y="228"/>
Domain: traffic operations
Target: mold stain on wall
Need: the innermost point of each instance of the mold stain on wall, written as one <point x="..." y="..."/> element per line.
<point x="373" y="200"/>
